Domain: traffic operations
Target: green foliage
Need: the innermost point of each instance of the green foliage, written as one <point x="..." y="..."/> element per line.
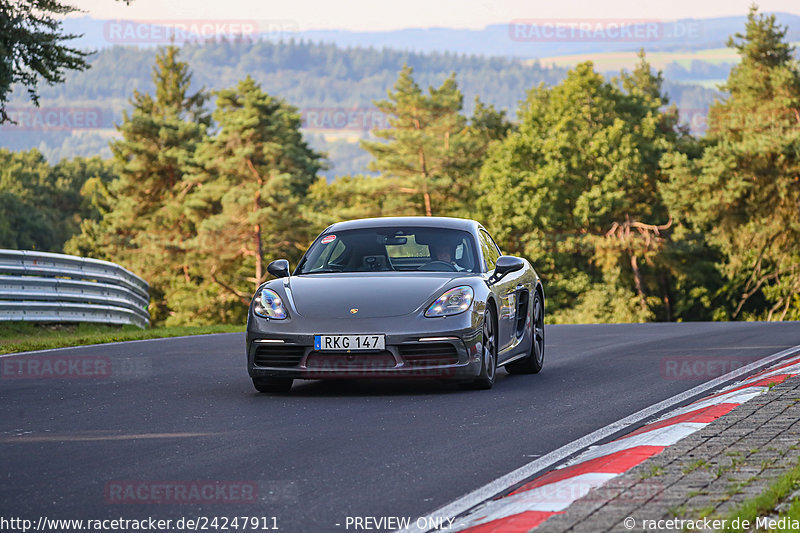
<point x="626" y="216"/>
<point x="431" y="147"/>
<point x="307" y="74"/>
<point x="144" y="224"/>
<point x="42" y="206"/>
<point x="197" y="214"/>
<point x="583" y="170"/>
<point x="353" y="197"/>
<point x="743" y="192"/>
<point x="247" y="198"/>
<point x="31" y="47"/>
<point x="21" y="226"/>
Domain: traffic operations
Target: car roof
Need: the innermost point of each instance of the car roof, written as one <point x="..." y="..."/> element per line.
<point x="425" y="222"/>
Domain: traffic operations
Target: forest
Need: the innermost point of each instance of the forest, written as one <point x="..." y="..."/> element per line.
<point x="626" y="214"/>
<point x="309" y="75"/>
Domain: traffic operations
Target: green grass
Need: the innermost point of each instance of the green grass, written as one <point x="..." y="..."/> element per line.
<point x="23" y="336"/>
<point x="654" y="471"/>
<point x="793" y="514"/>
<point x="765" y="503"/>
<point x="700" y="463"/>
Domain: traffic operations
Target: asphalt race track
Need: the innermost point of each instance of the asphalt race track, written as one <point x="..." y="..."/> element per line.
<point x="182" y="411"/>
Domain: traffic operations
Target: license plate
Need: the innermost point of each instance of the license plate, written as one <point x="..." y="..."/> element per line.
<point x="349" y="342"/>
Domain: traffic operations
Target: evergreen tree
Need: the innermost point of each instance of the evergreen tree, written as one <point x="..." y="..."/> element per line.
<point x="247" y="207"/>
<point x="354" y="197"/>
<point x="743" y="193"/>
<point x="145" y="225"/>
<point x="431" y="147"/>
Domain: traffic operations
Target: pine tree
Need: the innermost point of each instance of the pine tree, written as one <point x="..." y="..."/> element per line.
<point x="145" y="227"/>
<point x="744" y="191"/>
<point x="255" y="175"/>
<point x="432" y="150"/>
<point x="354" y="197"/>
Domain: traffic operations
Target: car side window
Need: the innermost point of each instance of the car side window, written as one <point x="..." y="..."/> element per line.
<point x="489" y="249"/>
<point x="330" y="254"/>
<point x="494" y="246"/>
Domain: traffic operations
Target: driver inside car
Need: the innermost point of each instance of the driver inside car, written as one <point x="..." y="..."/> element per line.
<point x="443" y="252"/>
<point x="443" y="249"/>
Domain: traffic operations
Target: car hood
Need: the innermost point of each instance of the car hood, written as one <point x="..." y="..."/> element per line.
<point x="375" y="295"/>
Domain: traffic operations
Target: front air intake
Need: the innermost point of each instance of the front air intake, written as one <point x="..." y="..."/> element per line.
<point x="278" y="356"/>
<point x="428" y="353"/>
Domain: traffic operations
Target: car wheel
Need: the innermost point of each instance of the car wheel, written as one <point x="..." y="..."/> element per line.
<point x="533" y="362"/>
<point x="489" y="356"/>
<point x="272" y="384"/>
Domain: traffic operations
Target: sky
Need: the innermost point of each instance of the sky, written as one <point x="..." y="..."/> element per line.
<point x="383" y="15"/>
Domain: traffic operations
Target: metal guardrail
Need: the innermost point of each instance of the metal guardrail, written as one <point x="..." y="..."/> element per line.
<point x="48" y="287"/>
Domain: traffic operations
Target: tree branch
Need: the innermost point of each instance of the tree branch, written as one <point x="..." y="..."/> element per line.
<point x="244" y="298"/>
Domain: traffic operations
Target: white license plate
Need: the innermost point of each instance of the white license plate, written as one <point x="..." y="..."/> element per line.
<point x="349" y="342"/>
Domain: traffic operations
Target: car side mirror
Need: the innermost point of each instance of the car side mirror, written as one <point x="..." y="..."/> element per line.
<point x="505" y="265"/>
<point x="279" y="268"/>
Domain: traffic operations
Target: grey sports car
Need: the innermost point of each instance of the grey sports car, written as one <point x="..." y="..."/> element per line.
<point x="389" y="297"/>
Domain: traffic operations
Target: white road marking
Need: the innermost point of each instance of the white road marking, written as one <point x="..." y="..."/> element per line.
<point x="503" y="483"/>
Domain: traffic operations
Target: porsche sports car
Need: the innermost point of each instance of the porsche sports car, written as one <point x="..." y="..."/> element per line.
<point x="421" y="297"/>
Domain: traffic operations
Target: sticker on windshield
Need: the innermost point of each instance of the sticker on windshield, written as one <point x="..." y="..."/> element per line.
<point x="328" y="239"/>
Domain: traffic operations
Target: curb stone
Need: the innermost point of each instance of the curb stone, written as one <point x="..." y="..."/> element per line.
<point x="708" y="473"/>
<point x="699" y="460"/>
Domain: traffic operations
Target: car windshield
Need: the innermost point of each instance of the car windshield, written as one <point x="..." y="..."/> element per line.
<point x="391" y="249"/>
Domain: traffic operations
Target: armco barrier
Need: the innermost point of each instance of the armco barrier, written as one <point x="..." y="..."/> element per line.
<point x="47" y="287"/>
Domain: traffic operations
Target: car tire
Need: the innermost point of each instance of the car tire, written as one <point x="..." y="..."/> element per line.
<point x="488" y="373"/>
<point x="272" y="384"/>
<point x="533" y="362"/>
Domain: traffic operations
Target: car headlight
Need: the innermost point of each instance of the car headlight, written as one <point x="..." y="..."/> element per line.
<point x="452" y="302"/>
<point x="269" y="305"/>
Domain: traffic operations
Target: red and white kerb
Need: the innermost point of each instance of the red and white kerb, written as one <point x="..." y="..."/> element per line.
<point x="550" y="494"/>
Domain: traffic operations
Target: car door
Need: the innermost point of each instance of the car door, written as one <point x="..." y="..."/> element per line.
<point x="506" y="290"/>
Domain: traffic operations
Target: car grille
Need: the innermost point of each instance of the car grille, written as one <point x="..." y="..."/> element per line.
<point x="281" y="355"/>
<point x="429" y="353"/>
<point x="350" y="360"/>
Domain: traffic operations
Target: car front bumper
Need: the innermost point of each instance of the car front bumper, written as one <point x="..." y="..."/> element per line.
<point x="441" y="348"/>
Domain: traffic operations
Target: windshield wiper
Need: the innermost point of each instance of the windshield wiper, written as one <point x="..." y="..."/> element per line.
<point x="324" y="271"/>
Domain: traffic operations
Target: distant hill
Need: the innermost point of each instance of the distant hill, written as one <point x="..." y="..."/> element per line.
<point x="333" y="87"/>
<point x="519" y="38"/>
<point x="522" y="38"/>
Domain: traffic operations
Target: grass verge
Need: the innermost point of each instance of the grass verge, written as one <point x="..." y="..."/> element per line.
<point x="765" y="503"/>
<point x="23" y="336"/>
